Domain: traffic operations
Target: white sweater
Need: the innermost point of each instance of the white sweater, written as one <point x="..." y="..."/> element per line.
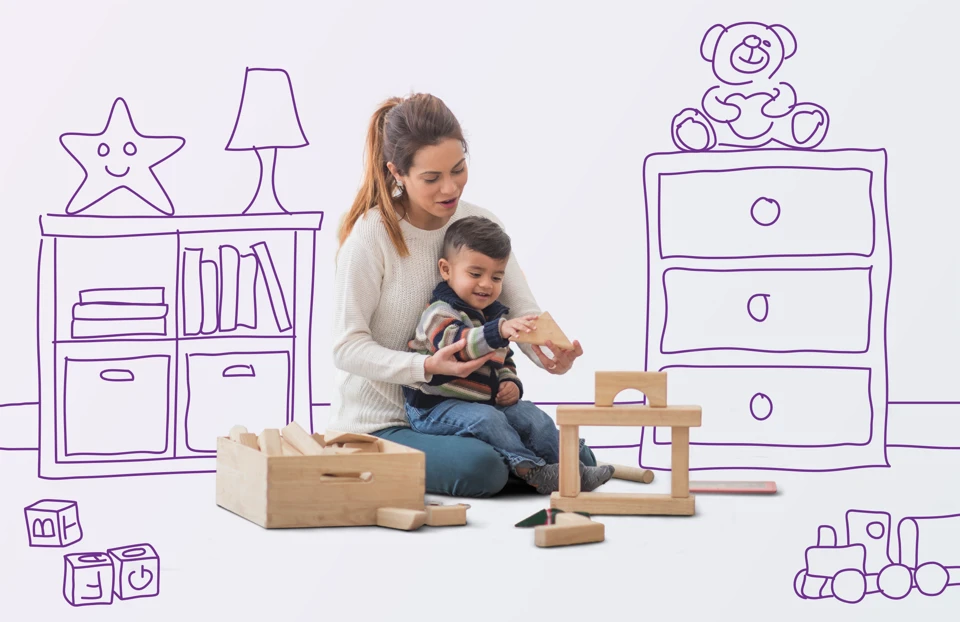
<point x="378" y="299"/>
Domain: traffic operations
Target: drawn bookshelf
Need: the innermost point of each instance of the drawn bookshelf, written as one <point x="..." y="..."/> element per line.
<point x="157" y="334"/>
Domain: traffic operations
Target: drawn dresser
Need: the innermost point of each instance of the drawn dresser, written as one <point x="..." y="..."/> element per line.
<point x="158" y="334"/>
<point x="768" y="279"/>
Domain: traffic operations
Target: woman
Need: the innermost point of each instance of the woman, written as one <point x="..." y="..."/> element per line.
<point x="386" y="270"/>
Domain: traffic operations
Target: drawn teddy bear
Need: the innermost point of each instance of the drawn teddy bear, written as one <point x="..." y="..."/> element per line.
<point x="749" y="108"/>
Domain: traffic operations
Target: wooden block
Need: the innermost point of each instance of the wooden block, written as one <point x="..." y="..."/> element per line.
<point x="332" y="436"/>
<point x="446" y="515"/>
<point x="737" y="488"/>
<point x="287" y="449"/>
<point x="628" y="415"/>
<point x="270" y="442"/>
<point x="653" y="385"/>
<point x="299" y="438"/>
<point x="611" y="503"/>
<point x="319" y="438"/>
<point x="236" y="431"/>
<point x="333" y="450"/>
<point x="629" y="473"/>
<point x="571" y="518"/>
<point x="565" y="534"/>
<point x="569" y="460"/>
<point x="250" y="440"/>
<point x="362" y="447"/>
<point x="401" y="518"/>
<point x="547" y="330"/>
<point x="680" y="463"/>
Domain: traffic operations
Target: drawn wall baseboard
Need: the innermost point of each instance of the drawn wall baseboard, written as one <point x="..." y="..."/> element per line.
<point x="777" y="324"/>
<point x="933" y="425"/>
<point x="155" y="334"/>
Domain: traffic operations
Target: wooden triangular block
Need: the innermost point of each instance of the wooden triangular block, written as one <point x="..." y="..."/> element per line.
<point x="547" y="330"/>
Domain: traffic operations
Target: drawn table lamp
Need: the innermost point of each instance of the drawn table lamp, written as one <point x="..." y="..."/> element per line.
<point x="266" y="121"/>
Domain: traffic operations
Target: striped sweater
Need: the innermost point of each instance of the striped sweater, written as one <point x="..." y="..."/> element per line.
<point x="448" y="319"/>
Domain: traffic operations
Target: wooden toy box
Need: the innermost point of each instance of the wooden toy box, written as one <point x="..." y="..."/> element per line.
<point x="318" y="491"/>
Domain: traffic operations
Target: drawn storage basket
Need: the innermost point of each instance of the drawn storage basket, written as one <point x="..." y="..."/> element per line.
<point x="310" y="481"/>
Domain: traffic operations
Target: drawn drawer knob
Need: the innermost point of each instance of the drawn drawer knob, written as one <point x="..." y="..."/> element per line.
<point x="761" y="406"/>
<point x="239" y="371"/>
<point x="117" y="375"/>
<point x="758" y="306"/>
<point x="765" y="211"/>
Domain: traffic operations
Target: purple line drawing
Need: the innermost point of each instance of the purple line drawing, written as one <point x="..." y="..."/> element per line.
<point x="88" y="579"/>
<point x="751" y="106"/>
<point x="53" y="523"/>
<point x="925" y="556"/>
<point x="120" y="157"/>
<point x="267" y="120"/>
<point x="137" y="404"/>
<point x="136" y="571"/>
<point x="768" y="273"/>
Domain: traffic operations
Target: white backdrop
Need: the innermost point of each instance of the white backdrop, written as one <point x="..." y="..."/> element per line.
<point x="561" y="103"/>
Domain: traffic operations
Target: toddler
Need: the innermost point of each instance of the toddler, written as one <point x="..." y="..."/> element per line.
<point x="487" y="404"/>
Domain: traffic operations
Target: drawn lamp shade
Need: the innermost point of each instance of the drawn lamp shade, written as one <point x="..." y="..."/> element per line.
<point x="266" y="121"/>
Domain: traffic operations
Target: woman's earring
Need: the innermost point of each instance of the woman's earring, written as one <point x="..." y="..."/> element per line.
<point x="398" y="191"/>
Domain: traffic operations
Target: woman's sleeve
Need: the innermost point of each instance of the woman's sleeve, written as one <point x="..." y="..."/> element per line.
<point x="517" y="296"/>
<point x="359" y="275"/>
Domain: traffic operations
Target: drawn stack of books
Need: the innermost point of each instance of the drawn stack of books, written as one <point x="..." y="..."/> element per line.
<point x="220" y="297"/>
<point x="119" y="312"/>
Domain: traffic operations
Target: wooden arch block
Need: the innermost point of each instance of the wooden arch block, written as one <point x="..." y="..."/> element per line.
<point x="653" y="385"/>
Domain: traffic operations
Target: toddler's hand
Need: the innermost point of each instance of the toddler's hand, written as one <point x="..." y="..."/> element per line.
<point x="508" y="395"/>
<point x="511" y="328"/>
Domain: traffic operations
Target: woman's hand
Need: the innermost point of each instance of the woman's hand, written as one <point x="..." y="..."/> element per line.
<point x="444" y="362"/>
<point x="562" y="359"/>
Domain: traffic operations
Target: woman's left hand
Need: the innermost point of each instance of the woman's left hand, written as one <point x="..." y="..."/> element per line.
<point x="562" y="359"/>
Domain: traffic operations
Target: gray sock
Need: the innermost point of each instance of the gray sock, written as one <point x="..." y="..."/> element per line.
<point x="545" y="479"/>
<point x="592" y="478"/>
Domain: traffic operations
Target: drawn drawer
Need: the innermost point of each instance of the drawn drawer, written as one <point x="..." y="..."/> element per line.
<point x="115" y="406"/>
<point x="767" y="310"/>
<point x="774" y="406"/>
<point x="765" y="212"/>
<point x="223" y="390"/>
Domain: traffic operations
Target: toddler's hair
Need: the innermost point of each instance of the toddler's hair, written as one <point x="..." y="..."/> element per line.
<point x="479" y="234"/>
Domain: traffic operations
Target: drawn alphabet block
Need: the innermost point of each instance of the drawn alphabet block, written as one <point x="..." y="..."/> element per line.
<point x="53" y="523"/>
<point x="136" y="571"/>
<point x="88" y="579"/>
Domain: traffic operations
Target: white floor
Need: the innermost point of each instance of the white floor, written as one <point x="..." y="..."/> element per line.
<point x="738" y="556"/>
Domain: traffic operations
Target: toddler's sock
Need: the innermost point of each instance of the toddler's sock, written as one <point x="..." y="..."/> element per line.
<point x="545" y="479"/>
<point x="592" y="478"/>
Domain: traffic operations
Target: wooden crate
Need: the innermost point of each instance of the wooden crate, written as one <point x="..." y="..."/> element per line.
<point x="318" y="491"/>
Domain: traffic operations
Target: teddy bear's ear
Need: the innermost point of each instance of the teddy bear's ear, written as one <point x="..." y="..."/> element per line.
<point x="789" y="41"/>
<point x="709" y="44"/>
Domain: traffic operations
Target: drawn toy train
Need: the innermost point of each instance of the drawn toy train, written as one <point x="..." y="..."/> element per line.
<point x="926" y="557"/>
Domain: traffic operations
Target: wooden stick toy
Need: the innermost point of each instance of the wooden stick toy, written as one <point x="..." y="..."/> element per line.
<point x="547" y="330"/>
<point x="629" y="473"/>
<point x="734" y="487"/>
<point x="439" y="515"/>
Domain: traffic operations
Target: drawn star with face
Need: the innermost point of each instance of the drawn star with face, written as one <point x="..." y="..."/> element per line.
<point x="119" y="156"/>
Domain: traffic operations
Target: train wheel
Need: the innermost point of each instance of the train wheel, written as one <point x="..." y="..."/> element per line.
<point x="932" y="579"/>
<point x="895" y="581"/>
<point x="849" y="586"/>
<point x="798" y="583"/>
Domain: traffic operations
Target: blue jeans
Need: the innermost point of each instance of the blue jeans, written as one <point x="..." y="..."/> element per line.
<point x="460" y="465"/>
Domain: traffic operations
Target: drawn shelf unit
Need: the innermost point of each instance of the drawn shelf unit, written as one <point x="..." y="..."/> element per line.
<point x="156" y="334"/>
<point x="777" y="325"/>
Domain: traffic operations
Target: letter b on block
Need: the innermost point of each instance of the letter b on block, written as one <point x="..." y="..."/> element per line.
<point x="53" y="522"/>
<point x="136" y="571"/>
<point x="87" y="579"/>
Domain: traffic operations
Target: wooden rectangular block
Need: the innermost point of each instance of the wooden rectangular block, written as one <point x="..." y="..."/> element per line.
<point x="568" y="533"/>
<point x="680" y="463"/>
<point x="629" y="415"/>
<point x="613" y="503"/>
<point x="250" y="440"/>
<point x="270" y="442"/>
<point x="653" y="385"/>
<point x="446" y="515"/>
<point x="333" y="436"/>
<point x="367" y="447"/>
<point x="569" y="460"/>
<point x="289" y="491"/>
<point x="301" y="439"/>
<point x="401" y="518"/>
<point x="286" y="449"/>
<point x="236" y="431"/>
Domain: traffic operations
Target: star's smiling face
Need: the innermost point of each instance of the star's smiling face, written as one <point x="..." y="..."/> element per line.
<point x="118" y="158"/>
